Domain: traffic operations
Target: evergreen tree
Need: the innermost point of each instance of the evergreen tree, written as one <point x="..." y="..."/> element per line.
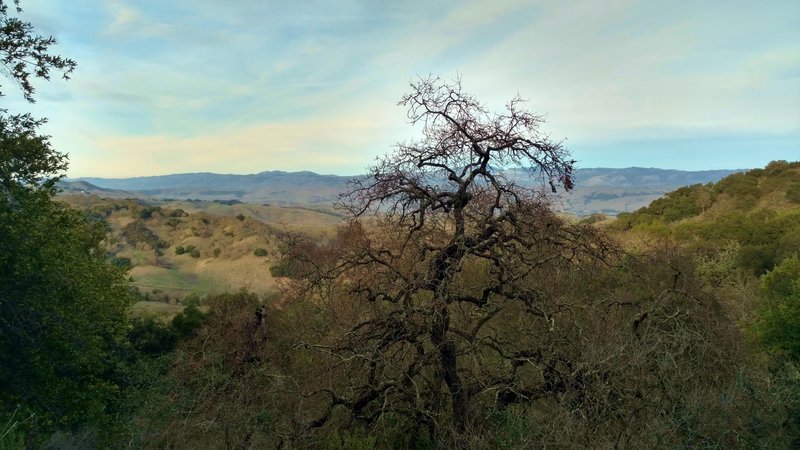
<point x="62" y="307"/>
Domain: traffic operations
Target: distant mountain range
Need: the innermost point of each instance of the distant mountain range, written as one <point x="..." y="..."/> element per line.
<point x="640" y="176"/>
<point x="597" y="189"/>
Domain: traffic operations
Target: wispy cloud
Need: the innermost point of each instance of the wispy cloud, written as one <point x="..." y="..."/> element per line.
<point x="244" y="86"/>
<point x="124" y="18"/>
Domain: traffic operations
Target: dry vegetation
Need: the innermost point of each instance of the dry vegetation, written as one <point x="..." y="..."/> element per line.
<point x="511" y="327"/>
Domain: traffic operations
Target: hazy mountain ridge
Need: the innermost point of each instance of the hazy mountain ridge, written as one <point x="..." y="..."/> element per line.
<point x="642" y="176"/>
<point x="86" y="188"/>
<point x="605" y="190"/>
<point x="205" y="180"/>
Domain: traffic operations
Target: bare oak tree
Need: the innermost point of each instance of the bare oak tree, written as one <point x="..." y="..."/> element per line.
<point x="454" y="246"/>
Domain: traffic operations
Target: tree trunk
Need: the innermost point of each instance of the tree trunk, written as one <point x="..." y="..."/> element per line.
<point x="448" y="357"/>
<point x="449" y="366"/>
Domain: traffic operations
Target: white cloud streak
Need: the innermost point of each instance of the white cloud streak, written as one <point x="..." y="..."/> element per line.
<point x="206" y="85"/>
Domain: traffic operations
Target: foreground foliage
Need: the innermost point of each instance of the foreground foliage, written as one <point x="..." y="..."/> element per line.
<point x="778" y="324"/>
<point x="665" y="367"/>
<point x="62" y="317"/>
<point x="62" y="307"/>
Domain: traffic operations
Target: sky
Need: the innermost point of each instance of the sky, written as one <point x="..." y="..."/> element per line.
<point x="253" y="85"/>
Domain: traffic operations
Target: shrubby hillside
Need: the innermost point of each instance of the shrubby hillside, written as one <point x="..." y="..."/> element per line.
<point x="757" y="213"/>
<point x="744" y="233"/>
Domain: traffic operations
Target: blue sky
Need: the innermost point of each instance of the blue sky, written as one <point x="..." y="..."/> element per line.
<point x="247" y="86"/>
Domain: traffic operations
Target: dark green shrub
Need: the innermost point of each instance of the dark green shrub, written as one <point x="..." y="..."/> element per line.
<point x="189" y="320"/>
<point x="777" y="167"/>
<point x="148" y="211"/>
<point x="260" y="252"/>
<point x="136" y="232"/>
<point x="757" y="258"/>
<point x="151" y="337"/>
<point x="779" y="316"/>
<point x="285" y="268"/>
<point x="739" y="185"/>
<point x="229" y="202"/>
<point x="179" y="250"/>
<point x="677" y="205"/>
<point x="191" y="299"/>
<point x="217" y="252"/>
<point x="195" y="253"/>
<point x="121" y="261"/>
<point x="241" y="217"/>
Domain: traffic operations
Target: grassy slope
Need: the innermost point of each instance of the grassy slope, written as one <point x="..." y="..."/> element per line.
<point x="225" y="243"/>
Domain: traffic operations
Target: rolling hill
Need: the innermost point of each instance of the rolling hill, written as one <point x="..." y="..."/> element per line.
<point x="202" y="247"/>
<point x="275" y="187"/>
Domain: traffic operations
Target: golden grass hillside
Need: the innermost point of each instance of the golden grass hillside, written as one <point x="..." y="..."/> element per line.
<point x="203" y="247"/>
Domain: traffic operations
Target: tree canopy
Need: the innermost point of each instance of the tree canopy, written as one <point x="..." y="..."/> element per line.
<point x="62" y="306"/>
<point x="26" y="55"/>
<point x="27" y="160"/>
